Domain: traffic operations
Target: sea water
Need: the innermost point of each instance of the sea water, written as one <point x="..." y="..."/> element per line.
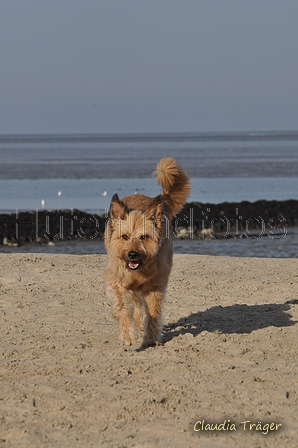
<point x="84" y="171"/>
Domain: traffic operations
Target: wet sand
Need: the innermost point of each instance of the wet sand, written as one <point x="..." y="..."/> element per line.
<point x="229" y="355"/>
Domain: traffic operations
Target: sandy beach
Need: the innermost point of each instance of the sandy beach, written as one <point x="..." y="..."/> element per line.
<point x="229" y="357"/>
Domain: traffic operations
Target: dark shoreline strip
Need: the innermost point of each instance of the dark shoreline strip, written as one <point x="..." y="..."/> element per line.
<point x="195" y="217"/>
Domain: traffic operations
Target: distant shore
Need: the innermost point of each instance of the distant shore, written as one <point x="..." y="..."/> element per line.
<point x="196" y="220"/>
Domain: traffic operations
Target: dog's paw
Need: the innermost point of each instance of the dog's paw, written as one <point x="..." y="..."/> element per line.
<point x="150" y="343"/>
<point x="128" y="339"/>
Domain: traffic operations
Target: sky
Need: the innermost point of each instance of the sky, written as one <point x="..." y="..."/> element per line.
<point x="127" y="66"/>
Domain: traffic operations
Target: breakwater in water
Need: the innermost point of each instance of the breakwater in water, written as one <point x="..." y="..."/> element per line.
<point x="195" y="221"/>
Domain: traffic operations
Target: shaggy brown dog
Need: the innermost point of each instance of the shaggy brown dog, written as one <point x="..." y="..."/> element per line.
<point x="139" y="245"/>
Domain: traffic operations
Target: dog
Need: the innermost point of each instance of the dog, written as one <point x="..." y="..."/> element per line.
<point x="139" y="245"/>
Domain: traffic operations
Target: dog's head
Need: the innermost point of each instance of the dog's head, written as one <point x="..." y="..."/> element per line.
<point x="135" y="235"/>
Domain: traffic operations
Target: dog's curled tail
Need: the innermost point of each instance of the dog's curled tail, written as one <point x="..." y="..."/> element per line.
<point x="175" y="184"/>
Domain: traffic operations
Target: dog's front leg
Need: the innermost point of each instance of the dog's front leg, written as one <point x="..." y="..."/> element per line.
<point x="153" y="321"/>
<point x="123" y="304"/>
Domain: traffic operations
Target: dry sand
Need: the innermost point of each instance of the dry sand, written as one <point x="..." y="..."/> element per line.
<point x="229" y="353"/>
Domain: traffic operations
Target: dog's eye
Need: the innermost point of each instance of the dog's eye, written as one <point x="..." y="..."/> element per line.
<point x="125" y="237"/>
<point x="143" y="237"/>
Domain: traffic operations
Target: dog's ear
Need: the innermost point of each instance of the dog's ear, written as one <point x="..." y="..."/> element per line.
<point x="155" y="209"/>
<point x="117" y="208"/>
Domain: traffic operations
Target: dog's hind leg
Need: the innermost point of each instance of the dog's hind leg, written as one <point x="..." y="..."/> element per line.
<point x="139" y="314"/>
<point x="123" y="305"/>
<point x="153" y="320"/>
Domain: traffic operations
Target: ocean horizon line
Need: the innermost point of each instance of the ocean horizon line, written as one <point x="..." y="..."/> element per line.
<point x="154" y="136"/>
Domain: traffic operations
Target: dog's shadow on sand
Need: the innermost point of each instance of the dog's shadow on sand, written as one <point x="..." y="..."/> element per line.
<point x="238" y="319"/>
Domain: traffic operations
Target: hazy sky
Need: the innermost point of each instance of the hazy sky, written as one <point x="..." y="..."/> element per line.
<point x="70" y="66"/>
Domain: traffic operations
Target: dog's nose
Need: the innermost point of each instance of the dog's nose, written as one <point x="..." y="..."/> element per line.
<point x="132" y="254"/>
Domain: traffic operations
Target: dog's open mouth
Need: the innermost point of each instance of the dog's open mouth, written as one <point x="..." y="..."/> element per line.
<point x="134" y="260"/>
<point x="134" y="264"/>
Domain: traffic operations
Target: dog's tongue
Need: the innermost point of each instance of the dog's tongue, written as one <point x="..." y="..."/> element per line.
<point x="133" y="265"/>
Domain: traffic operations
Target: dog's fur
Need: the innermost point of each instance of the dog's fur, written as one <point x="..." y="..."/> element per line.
<point x="138" y="240"/>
